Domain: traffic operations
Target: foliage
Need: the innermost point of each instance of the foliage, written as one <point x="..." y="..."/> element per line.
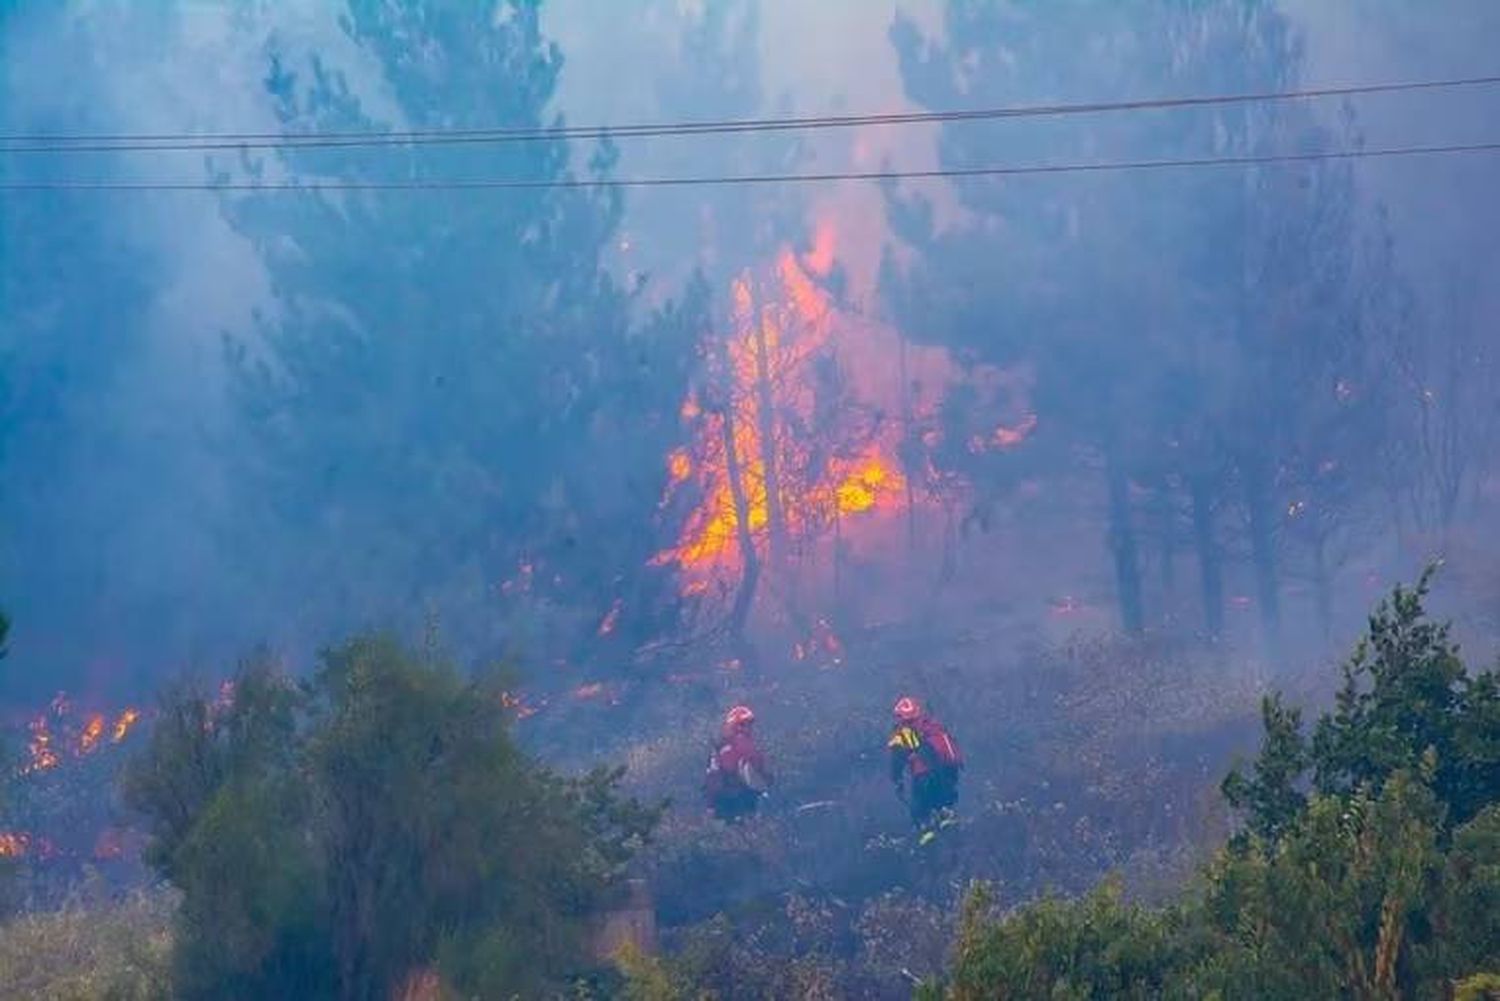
<point x="1095" y="947"/>
<point x="1201" y="334"/>
<point x="102" y="952"/>
<point x="1270" y="796"/>
<point x="1381" y="881"/>
<point x="452" y="391"/>
<point x="330" y="837"/>
<point x="1407" y="697"/>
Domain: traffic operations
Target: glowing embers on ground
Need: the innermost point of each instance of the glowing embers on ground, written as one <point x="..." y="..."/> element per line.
<point x="823" y="646"/>
<point x="784" y="444"/>
<point x="1005" y="437"/>
<point x="19" y="845"/>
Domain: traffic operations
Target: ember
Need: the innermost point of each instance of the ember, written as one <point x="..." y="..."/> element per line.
<point x="1066" y="605"/>
<point x="122" y="726"/>
<point x="110" y="844"/>
<point x="19" y="844"/>
<point x="39" y="747"/>
<point x="88" y="739"/>
<point x="56" y="730"/>
<point x="611" y="618"/>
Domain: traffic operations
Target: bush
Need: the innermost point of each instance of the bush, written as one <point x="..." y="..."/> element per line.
<point x="112" y="952"/>
<point x="331" y="837"/>
<point x="1369" y="866"/>
<point x="1096" y="947"/>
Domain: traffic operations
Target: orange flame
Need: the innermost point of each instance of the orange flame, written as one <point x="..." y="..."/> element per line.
<point x="517" y="704"/>
<point x="14" y="844"/>
<point x="110" y="844"/>
<point x="1005" y="438"/>
<point x="611" y="619"/>
<point x="39" y="747"/>
<point x="122" y="726"/>
<point x="88" y="738"/>
<point x="56" y="732"/>
<point x="820" y="258"/>
<point x="792" y="480"/>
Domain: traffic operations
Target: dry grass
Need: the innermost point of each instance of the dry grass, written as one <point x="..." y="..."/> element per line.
<point x="116" y="951"/>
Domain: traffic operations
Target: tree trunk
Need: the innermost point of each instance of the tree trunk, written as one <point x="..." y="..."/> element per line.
<point x="906" y="431"/>
<point x="749" y="559"/>
<point x="948" y="568"/>
<point x="1259" y="502"/>
<point x="1210" y="569"/>
<point x="1122" y="544"/>
<point x="765" y="409"/>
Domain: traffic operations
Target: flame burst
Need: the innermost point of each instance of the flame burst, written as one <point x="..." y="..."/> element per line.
<point x="14" y="844"/>
<point x="122" y="726"/>
<point x="88" y="738"/>
<point x="57" y="733"/>
<point x="788" y="446"/>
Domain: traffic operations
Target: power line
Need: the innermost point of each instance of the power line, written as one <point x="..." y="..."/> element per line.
<point x="487" y="184"/>
<point x="189" y="142"/>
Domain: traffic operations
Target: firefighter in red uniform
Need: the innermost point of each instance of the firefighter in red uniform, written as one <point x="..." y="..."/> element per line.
<point x="924" y="754"/>
<point x="737" y="776"/>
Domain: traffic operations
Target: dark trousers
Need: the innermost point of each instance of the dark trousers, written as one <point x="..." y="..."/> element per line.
<point x="932" y="791"/>
<point x="736" y="804"/>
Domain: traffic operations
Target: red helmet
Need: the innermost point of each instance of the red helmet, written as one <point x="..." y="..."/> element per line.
<point x="738" y="716"/>
<point x="907" y="709"/>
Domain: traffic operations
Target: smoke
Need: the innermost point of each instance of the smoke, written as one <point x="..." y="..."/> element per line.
<point x="120" y="520"/>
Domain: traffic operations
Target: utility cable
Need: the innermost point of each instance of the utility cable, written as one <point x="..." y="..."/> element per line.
<point x="189" y="142"/>
<point x="487" y="184"/>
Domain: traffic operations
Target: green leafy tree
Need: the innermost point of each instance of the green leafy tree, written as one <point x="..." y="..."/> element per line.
<point x="451" y="391"/>
<point x="1269" y="796"/>
<point x="1181" y="325"/>
<point x="1407" y="694"/>
<point x="332" y="837"/>
<point x="1369" y="867"/>
<point x="1097" y="947"/>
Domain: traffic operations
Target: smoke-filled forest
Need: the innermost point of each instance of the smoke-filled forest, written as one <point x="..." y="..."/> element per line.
<point x="688" y="499"/>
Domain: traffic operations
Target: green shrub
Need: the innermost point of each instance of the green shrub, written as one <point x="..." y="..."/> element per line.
<point x="111" y="952"/>
<point x="331" y="837"/>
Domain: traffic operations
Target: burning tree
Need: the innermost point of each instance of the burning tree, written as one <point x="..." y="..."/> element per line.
<point x="785" y="448"/>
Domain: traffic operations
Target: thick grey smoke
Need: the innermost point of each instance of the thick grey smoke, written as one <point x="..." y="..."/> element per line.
<point x="120" y="520"/>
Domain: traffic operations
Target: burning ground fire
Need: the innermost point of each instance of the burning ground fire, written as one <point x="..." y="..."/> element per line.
<point x="56" y="736"/>
<point x="58" y="732"/>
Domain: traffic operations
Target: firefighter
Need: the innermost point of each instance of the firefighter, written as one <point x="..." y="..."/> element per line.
<point x="925" y="763"/>
<point x="737" y="777"/>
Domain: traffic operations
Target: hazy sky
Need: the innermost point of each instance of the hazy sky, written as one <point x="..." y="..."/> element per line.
<point x="201" y="68"/>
